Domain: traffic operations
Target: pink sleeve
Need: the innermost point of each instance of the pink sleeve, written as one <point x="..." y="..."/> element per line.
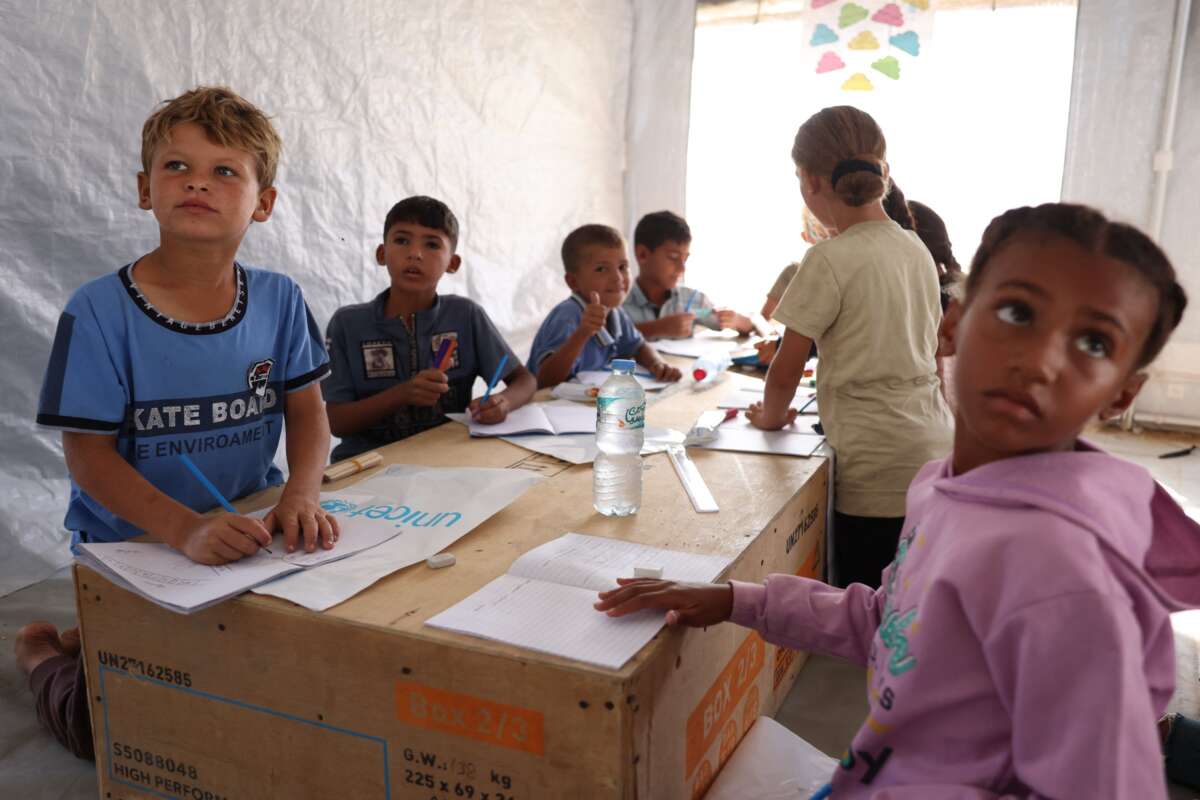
<point x="805" y="614"/>
<point x="1071" y="672"/>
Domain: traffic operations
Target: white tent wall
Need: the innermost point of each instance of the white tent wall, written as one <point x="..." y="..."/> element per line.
<point x="659" y="106"/>
<point x="1122" y="64"/>
<point x="515" y="112"/>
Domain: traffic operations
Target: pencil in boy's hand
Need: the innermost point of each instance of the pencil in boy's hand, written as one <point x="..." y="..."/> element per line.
<point x="691" y="299"/>
<point x="495" y="379"/>
<point x="215" y="492"/>
<point x="444" y="353"/>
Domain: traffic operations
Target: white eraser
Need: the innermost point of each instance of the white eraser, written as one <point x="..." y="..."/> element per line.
<point x="647" y="572"/>
<point x="441" y="560"/>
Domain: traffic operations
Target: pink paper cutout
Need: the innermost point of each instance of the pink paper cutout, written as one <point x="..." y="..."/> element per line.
<point x="889" y="15"/>
<point x="829" y="62"/>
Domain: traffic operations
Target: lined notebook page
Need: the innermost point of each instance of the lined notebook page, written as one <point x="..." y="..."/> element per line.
<point x="595" y="562"/>
<point x="545" y="602"/>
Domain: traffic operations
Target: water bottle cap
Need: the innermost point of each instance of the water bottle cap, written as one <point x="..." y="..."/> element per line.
<point x="623" y="365"/>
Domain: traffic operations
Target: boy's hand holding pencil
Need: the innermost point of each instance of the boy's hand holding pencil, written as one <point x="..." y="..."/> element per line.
<point x="491" y="410"/>
<point x="224" y="538"/>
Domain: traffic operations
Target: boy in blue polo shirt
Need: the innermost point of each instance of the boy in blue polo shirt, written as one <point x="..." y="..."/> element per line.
<point x="385" y="384"/>
<point x="590" y="328"/>
<point x="183" y="352"/>
<point x="658" y="304"/>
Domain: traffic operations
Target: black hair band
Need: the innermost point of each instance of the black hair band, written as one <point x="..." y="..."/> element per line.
<point x="843" y="168"/>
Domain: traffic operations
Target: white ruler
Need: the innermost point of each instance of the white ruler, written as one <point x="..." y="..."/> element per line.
<point x="693" y="483"/>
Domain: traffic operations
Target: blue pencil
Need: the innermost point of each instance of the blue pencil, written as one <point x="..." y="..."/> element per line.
<point x="213" y="490"/>
<point x="691" y="299"/>
<point x="823" y="792"/>
<point x="495" y="379"/>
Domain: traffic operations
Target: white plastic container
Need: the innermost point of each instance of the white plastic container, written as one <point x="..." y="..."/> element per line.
<point x="620" y="432"/>
<point x="708" y="367"/>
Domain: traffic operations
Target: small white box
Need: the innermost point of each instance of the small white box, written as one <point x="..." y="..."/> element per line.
<point x="647" y="572"/>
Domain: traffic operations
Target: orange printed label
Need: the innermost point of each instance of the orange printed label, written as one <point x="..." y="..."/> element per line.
<point x="720" y="701"/>
<point x="472" y="717"/>
<point x="784" y="658"/>
<point x="811" y="568"/>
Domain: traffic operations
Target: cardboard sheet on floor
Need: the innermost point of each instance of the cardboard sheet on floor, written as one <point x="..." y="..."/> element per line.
<point x="772" y="763"/>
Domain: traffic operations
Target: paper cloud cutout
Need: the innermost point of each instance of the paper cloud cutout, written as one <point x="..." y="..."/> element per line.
<point x="819" y="3"/>
<point x="888" y="66"/>
<point x="864" y="41"/>
<point x="857" y="83"/>
<point x="829" y="62"/>
<point x="851" y="13"/>
<point x="908" y="41"/>
<point x="889" y="15"/>
<point x="822" y="34"/>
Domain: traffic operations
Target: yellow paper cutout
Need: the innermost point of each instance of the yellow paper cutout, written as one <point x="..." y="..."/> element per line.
<point x="864" y="41"/>
<point x="857" y="83"/>
<point x="921" y="4"/>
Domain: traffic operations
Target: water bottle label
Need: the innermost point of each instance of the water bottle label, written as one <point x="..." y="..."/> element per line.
<point x="634" y="417"/>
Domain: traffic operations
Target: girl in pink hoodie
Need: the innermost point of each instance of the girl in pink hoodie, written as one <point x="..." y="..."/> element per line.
<point x="1020" y="646"/>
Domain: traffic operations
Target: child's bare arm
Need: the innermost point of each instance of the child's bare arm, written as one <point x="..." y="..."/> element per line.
<point x="787" y="367"/>
<point x="298" y="512"/>
<point x="556" y="367"/>
<point x="769" y="306"/>
<point x="355" y="416"/>
<point x="109" y="479"/>
<point x="648" y="357"/>
<point x="519" y="389"/>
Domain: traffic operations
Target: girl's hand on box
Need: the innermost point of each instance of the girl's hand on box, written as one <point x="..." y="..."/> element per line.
<point x="300" y="516"/>
<point x="694" y="604"/>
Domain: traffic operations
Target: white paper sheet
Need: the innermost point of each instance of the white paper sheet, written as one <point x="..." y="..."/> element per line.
<point x="539" y="418"/>
<point x="444" y="505"/>
<point x="598" y="377"/>
<point x="545" y="601"/>
<point x="744" y="398"/>
<point x="740" y="436"/>
<point x="169" y="578"/>
<point x="772" y="763"/>
<point x="581" y="449"/>
<point x="696" y="346"/>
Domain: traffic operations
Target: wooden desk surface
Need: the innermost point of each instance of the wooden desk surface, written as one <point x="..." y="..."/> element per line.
<point x="751" y="490"/>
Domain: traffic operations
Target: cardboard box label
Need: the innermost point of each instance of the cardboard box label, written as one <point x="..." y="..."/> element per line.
<point x="719" y="703"/>
<point x="471" y="717"/>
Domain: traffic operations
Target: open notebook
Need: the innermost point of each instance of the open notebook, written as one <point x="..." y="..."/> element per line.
<point x="555" y="419"/>
<point x="167" y="577"/>
<point x="544" y="601"/>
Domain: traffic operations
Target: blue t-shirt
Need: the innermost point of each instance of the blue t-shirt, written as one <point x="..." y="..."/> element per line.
<point x="212" y="390"/>
<point x="370" y="351"/>
<point x="562" y="321"/>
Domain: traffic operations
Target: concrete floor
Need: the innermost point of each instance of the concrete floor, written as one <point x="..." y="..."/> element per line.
<point x="826" y="706"/>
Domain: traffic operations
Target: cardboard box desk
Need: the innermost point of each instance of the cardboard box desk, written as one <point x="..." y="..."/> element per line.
<point x="259" y="698"/>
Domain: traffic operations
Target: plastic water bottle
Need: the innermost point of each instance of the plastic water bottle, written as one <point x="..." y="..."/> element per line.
<point x="620" y="431"/>
<point x="707" y="367"/>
